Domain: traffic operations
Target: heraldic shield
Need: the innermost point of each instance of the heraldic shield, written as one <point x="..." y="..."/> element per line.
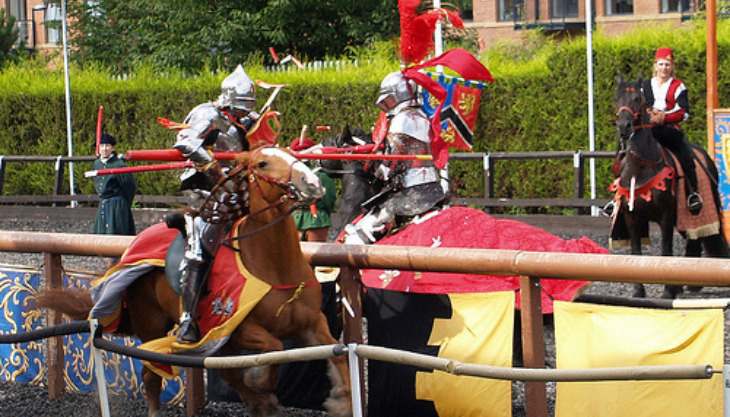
<point x="460" y="110"/>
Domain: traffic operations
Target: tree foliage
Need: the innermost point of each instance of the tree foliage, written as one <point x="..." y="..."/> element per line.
<point x="193" y="34"/>
<point x="8" y="36"/>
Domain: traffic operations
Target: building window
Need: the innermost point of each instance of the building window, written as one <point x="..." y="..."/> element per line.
<point x="564" y="8"/>
<point x="466" y="7"/>
<point x="53" y="24"/>
<point x="619" y="7"/>
<point x="511" y="10"/>
<point x="675" y="6"/>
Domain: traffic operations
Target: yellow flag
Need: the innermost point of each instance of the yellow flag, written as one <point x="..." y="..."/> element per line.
<point x="594" y="336"/>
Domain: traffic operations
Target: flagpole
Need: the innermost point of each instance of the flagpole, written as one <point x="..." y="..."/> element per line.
<point x="67" y="82"/>
<point x="591" y="121"/>
<point x="438" y="41"/>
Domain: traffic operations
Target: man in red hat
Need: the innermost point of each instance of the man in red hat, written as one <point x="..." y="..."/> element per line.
<point x="668" y="102"/>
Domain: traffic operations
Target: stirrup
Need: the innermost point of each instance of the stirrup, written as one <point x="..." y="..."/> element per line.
<point x="694" y="203"/>
<point x="189" y="332"/>
<point x="609" y="208"/>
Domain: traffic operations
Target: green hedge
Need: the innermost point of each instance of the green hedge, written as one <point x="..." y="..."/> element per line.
<point x="538" y="103"/>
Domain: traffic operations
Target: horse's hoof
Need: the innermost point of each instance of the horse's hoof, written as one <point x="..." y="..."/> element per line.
<point x="639" y="291"/>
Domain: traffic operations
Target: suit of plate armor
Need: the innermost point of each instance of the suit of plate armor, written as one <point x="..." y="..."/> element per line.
<point x="220" y="125"/>
<point x="413" y="186"/>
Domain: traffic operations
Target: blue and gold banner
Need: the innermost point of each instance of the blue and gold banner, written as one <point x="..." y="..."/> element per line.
<point x="460" y="109"/>
<point x="721" y="132"/>
<point x="21" y="362"/>
<point x="24" y="362"/>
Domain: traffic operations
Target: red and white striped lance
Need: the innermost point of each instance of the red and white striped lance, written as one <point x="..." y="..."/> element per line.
<point x="174" y="155"/>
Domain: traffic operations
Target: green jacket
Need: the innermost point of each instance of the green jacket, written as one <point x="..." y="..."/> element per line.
<point x="116" y="193"/>
<point x="304" y="218"/>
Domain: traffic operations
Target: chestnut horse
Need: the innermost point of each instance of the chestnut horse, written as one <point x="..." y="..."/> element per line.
<point x="269" y="248"/>
<point x="645" y="161"/>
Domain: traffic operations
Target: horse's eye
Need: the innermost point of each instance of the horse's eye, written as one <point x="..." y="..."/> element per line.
<point x="261" y="164"/>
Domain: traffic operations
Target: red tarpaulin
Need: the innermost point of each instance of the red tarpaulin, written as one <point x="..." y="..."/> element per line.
<point x="463" y="227"/>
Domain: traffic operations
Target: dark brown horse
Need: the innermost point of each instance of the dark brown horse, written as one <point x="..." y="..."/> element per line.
<point x="645" y="171"/>
<point x="270" y="251"/>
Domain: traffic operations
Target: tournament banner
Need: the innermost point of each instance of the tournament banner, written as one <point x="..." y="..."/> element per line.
<point x="720" y="151"/>
<point x="20" y="362"/>
<point x="25" y="363"/>
<point x="471" y="328"/>
<point x="460" y="109"/>
<point x="600" y="336"/>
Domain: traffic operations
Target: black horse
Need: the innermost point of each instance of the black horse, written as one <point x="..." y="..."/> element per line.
<point x="358" y="182"/>
<point x="649" y="184"/>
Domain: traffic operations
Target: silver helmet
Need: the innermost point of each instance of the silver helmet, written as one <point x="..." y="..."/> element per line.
<point x="396" y="89"/>
<point x="238" y="91"/>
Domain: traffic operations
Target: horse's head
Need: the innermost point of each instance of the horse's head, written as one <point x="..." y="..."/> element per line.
<point x="275" y="174"/>
<point x="630" y="107"/>
<point x="345" y="139"/>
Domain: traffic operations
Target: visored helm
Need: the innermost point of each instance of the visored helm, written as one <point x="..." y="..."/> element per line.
<point x="396" y="89"/>
<point x="238" y="91"/>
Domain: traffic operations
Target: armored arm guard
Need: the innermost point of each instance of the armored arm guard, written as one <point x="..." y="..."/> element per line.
<point x="207" y="125"/>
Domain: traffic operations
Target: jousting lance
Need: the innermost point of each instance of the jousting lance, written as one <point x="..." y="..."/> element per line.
<point x="141" y="168"/>
<point x="175" y="155"/>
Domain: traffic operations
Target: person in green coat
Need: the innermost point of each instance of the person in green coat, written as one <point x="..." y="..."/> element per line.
<point x="116" y="192"/>
<point x="314" y="225"/>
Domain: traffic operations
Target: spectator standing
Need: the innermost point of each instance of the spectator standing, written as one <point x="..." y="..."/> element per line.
<point x="116" y="192"/>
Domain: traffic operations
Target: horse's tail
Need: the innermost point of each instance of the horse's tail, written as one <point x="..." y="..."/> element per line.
<point x="75" y="303"/>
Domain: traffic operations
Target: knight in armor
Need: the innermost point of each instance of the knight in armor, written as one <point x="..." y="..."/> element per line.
<point x="413" y="187"/>
<point x="669" y="101"/>
<point x="221" y="125"/>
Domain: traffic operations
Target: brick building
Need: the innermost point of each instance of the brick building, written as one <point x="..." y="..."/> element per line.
<point x="508" y="19"/>
<point x="492" y="19"/>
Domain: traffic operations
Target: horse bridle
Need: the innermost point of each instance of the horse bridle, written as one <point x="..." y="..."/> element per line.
<point x="635" y="114"/>
<point x="637" y="125"/>
<point x="287" y="186"/>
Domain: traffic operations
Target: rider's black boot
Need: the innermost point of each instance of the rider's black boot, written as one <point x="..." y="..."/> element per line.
<point x="694" y="201"/>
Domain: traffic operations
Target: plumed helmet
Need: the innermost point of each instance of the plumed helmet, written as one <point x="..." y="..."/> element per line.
<point x="396" y="89"/>
<point x="238" y="91"/>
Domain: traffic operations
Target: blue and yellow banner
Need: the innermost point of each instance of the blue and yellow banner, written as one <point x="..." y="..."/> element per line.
<point x="460" y="109"/>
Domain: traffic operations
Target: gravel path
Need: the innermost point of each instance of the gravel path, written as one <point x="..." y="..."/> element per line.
<point x="27" y="400"/>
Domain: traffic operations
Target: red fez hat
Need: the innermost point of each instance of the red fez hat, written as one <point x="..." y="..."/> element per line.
<point x="299" y="145"/>
<point x="664" y="53"/>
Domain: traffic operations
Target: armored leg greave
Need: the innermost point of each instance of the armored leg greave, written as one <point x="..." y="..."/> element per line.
<point x="193" y="273"/>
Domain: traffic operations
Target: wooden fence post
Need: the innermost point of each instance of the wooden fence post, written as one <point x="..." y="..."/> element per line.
<point x="54" y="354"/>
<point x="58" y="182"/>
<point x="352" y="316"/>
<point x="194" y="390"/>
<point x="533" y="344"/>
<point x="579" y="186"/>
<point x="488" y="179"/>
